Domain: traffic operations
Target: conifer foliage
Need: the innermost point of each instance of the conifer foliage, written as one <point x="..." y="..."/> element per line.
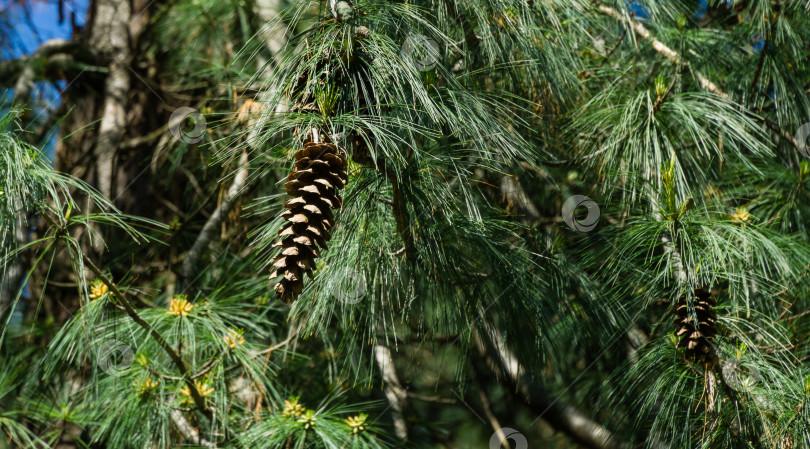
<point x="373" y="224"/>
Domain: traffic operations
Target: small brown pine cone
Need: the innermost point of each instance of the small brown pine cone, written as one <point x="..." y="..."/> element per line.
<point x="320" y="172"/>
<point x="696" y="338"/>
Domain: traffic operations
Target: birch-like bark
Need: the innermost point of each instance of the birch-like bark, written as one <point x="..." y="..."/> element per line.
<point x="111" y="39"/>
<point x="394" y="393"/>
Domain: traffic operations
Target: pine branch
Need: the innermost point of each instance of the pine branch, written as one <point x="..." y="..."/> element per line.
<point x="761" y="62"/>
<point x="274" y="33"/>
<point x="199" y="402"/>
<point x="675" y="255"/>
<point x="660" y="100"/>
<point x="434" y="399"/>
<point x="673" y="56"/>
<point x="514" y="194"/>
<point x="784" y="134"/>
<point x="55" y="59"/>
<point x="636" y="339"/>
<point x="660" y="47"/>
<point x="502" y="362"/>
<point x="362" y="156"/>
<point x="12" y="274"/>
<point x="608" y="55"/>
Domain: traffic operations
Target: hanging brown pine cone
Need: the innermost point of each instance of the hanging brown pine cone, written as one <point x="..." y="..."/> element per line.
<point x="320" y="171"/>
<point x="697" y="338"/>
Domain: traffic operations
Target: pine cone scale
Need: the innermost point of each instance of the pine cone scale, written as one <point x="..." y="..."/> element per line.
<point x="319" y="172"/>
<point x="696" y="336"/>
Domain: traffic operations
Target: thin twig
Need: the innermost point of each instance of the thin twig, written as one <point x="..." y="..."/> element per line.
<point x="493" y="420"/>
<point x="278" y="345"/>
<point x="759" y="66"/>
<point x="435" y="399"/>
<point x="130" y="310"/>
<point x="207" y="366"/>
<point x="397" y="252"/>
<point x="174" y="356"/>
<point x="403" y="220"/>
<point x="790" y="318"/>
<point x="608" y="55"/>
